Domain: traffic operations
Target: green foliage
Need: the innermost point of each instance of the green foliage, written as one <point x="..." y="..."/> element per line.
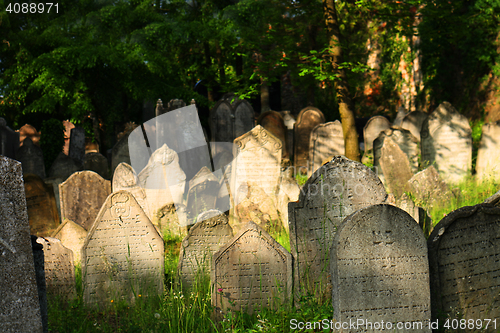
<point x="51" y="141"/>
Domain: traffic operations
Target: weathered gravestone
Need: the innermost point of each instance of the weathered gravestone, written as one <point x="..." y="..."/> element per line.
<point x="428" y="189"/>
<point x="59" y="268"/>
<point x="82" y="196"/>
<point x="122" y="256"/>
<point x="96" y="162"/>
<point x="272" y="122"/>
<point x="125" y="179"/>
<point x="446" y="142"/>
<point x="72" y="236"/>
<point x="31" y="158"/>
<point x="308" y="118"/>
<point x="488" y="154"/>
<point x="63" y="167"/>
<point x="333" y="192"/>
<point x="393" y="166"/>
<point x="206" y="237"/>
<point x="380" y="271"/>
<point x="222" y="122"/>
<point x="120" y="153"/>
<point x="244" y="118"/>
<point x="251" y="271"/>
<point x="289" y="190"/>
<point x="77" y="145"/>
<point x="413" y="122"/>
<point x="41" y="204"/>
<point x="406" y="142"/>
<point x="9" y="140"/>
<point x="327" y="140"/>
<point x="202" y="193"/>
<point x="371" y="131"/>
<point x="19" y="306"/>
<point x="464" y="261"/>
<point x="494" y="199"/>
<point x="174" y="104"/>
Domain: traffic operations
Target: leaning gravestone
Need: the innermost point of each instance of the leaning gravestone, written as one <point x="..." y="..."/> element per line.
<point x="327" y="140"/>
<point x="446" y="142"/>
<point x="210" y="232"/>
<point x="250" y="272"/>
<point x="19" y="307"/>
<point x="41" y="204"/>
<point x="221" y="122"/>
<point x="273" y="122"/>
<point x="413" y="122"/>
<point x="59" y="268"/>
<point x="488" y="154"/>
<point x="406" y="142"/>
<point x="372" y="129"/>
<point x="96" y="162"/>
<point x="428" y="189"/>
<point x="202" y="193"/>
<point x="308" y="118"/>
<point x="81" y="197"/>
<point x="72" y="236"/>
<point x="333" y="192"/>
<point x="31" y="157"/>
<point x="380" y="270"/>
<point x="77" y="145"/>
<point x="122" y="255"/>
<point x="244" y="118"/>
<point x="464" y="264"/>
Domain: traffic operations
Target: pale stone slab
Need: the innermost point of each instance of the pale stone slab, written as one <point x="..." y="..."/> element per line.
<point x="31" y="157"/>
<point x="428" y="189"/>
<point x="464" y="261"/>
<point x="19" y="306"/>
<point x="394" y="166"/>
<point x="122" y="255"/>
<point x="273" y="122"/>
<point x="446" y="142"/>
<point x="244" y="118"/>
<point x="327" y="140"/>
<point x="251" y="271"/>
<point x="59" y="268"/>
<point x="372" y="129"/>
<point x="308" y="118"/>
<point x="204" y="239"/>
<point x="222" y="122"/>
<point x="82" y="195"/>
<point x="202" y="193"/>
<point x="413" y="122"/>
<point x="41" y="204"/>
<point x="334" y="191"/>
<point x="380" y="269"/>
<point x="289" y="191"/>
<point x="488" y="154"/>
<point x="72" y="236"/>
<point x="406" y="142"/>
<point x="125" y="179"/>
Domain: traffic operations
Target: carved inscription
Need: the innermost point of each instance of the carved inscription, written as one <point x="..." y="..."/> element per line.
<point x="380" y="269"/>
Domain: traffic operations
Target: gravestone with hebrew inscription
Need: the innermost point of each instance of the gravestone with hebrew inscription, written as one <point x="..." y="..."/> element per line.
<point x="488" y="154"/>
<point x="327" y="140"/>
<point x="82" y="196"/>
<point x="380" y="270"/>
<point x="308" y="118"/>
<point x="428" y="188"/>
<point x="413" y="122"/>
<point x="464" y="264"/>
<point x="59" y="268"/>
<point x="273" y="122"/>
<point x="19" y="307"/>
<point x="222" y="122"/>
<point x="41" y="204"/>
<point x="333" y="192"/>
<point x="31" y="157"/>
<point x="447" y="143"/>
<point x="122" y="256"/>
<point x="244" y="118"/>
<point x="211" y="231"/>
<point x="125" y="179"/>
<point x="72" y="236"/>
<point x="250" y="272"/>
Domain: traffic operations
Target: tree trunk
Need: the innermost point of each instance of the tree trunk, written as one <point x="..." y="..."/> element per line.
<point x="343" y="97"/>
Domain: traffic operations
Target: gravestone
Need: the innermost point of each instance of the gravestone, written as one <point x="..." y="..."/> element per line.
<point x="464" y="264"/>
<point x="446" y="143"/>
<point x="63" y="167"/>
<point x="82" y="196"/>
<point x="327" y="140"/>
<point x="9" y="140"/>
<point x="399" y="117"/>
<point x="413" y="122"/>
<point x="244" y="118"/>
<point x="251" y="271"/>
<point x="222" y="122"/>
<point x="120" y="153"/>
<point x="59" y="268"/>
<point x="333" y="192"/>
<point x="488" y="154"/>
<point x="77" y="145"/>
<point x="43" y="216"/>
<point x="122" y="255"/>
<point x="28" y="131"/>
<point x="72" y="236"/>
<point x="54" y="184"/>
<point x="96" y="162"/>
<point x="289" y="122"/>
<point x="380" y="270"/>
<point x="428" y="189"/>
<point x="174" y="104"/>
<point x="494" y="199"/>
<point x="125" y="179"/>
<point x="406" y="142"/>
<point x="393" y="165"/>
<point x="19" y="307"/>
<point x="289" y="190"/>
<point x="371" y="131"/>
<point x="68" y="126"/>
<point x="202" y="193"/>
<point x="308" y="118"/>
<point x="210" y="232"/>
<point x="272" y="122"/>
<point x="31" y="158"/>
<point x="40" y="281"/>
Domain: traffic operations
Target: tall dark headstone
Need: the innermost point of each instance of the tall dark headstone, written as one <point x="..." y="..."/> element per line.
<point x="31" y="157"/>
<point x="307" y="119"/>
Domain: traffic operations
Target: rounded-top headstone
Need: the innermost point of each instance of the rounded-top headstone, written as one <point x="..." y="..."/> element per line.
<point x="307" y="119"/>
